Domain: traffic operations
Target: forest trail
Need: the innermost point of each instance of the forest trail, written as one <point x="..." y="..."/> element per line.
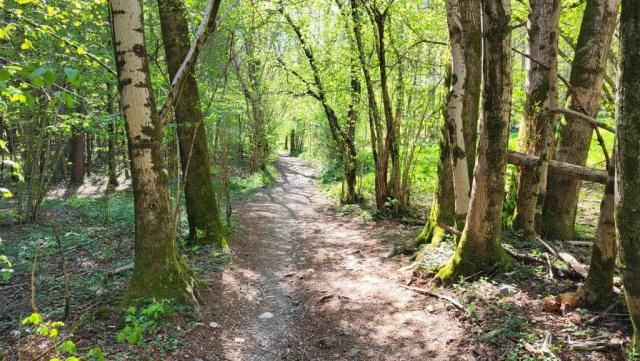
<point x="324" y="279"/>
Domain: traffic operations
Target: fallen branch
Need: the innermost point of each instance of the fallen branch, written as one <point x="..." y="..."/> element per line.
<point x="596" y="344"/>
<point x="560" y="169"/>
<point x="426" y="292"/>
<point x="573" y="263"/>
<point x="602" y="314"/>
<point x="120" y="270"/>
<point x="450" y="229"/>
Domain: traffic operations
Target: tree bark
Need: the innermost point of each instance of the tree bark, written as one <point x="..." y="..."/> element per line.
<point x="78" y="152"/>
<point x="112" y="133"/>
<point x="599" y="284"/>
<point x="442" y="206"/>
<point x="201" y="204"/>
<point x="627" y="197"/>
<point x="479" y="247"/>
<point x="463" y="19"/>
<point x="159" y="271"/>
<point x="587" y="74"/>
<point x="538" y="124"/>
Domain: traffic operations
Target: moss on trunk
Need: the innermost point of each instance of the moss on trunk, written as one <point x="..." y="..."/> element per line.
<point x="203" y="214"/>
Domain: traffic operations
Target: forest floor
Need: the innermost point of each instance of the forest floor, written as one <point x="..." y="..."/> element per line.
<point x="306" y="279"/>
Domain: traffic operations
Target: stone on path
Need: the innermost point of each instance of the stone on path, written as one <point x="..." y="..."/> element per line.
<point x="266" y="316"/>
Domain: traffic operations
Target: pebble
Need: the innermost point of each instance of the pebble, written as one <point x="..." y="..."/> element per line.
<point x="266" y="316"/>
<point x="214" y="324"/>
<point x="238" y="340"/>
<point x="352" y="352"/>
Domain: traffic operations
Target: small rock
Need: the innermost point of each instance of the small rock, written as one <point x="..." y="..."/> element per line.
<point x="352" y="352"/>
<point x="198" y="359"/>
<point x="238" y="340"/>
<point x="507" y="290"/>
<point x="266" y="316"/>
<point x="430" y="308"/>
<point x="214" y="324"/>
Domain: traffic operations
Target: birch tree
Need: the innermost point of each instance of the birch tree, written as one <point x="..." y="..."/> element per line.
<point x="536" y="130"/>
<point x="479" y="247"/>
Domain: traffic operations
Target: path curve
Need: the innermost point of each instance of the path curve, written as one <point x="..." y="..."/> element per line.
<point x="324" y="280"/>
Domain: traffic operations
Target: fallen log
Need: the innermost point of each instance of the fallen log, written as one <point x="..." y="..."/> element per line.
<point x="560" y="169"/>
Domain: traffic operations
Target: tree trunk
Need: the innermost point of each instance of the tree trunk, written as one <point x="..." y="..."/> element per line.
<point x="463" y="18"/>
<point x="442" y="206"/>
<point x="111" y="150"/>
<point x="479" y="247"/>
<point x="90" y="144"/>
<point x="78" y="151"/>
<point x="627" y="198"/>
<point x="201" y="204"/>
<point x="159" y="271"/>
<point x="538" y="124"/>
<point x="380" y="158"/>
<point x="391" y="151"/>
<point x="599" y="284"/>
<point x="587" y="71"/>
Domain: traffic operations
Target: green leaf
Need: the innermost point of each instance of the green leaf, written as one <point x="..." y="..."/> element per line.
<point x="37" y="81"/>
<point x="68" y="99"/>
<point x="5" y="74"/>
<point x="34" y="319"/>
<point x="81" y="50"/>
<point x="49" y="77"/>
<point x="27" y="44"/>
<point x="5" y="193"/>
<point x="67" y="347"/>
<point x="73" y="76"/>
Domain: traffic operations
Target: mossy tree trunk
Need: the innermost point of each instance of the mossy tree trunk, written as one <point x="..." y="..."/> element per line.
<point x="463" y="19"/>
<point x="599" y="284"/>
<point x="200" y="196"/>
<point x="627" y="215"/>
<point x="159" y="271"/>
<point x="587" y="74"/>
<point x="479" y="248"/>
<point x="442" y="207"/>
<point x="536" y="130"/>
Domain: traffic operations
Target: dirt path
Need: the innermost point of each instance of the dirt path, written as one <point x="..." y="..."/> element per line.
<point x="323" y="278"/>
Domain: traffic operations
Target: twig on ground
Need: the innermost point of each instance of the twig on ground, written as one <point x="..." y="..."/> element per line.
<point x="426" y="292"/>
<point x="603" y="314"/>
